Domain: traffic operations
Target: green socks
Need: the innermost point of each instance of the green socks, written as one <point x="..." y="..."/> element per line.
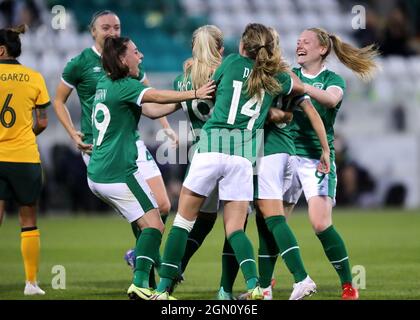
<point x="202" y="227"/>
<point x="147" y="252"/>
<point x="244" y="253"/>
<point x="336" y="252"/>
<point x="230" y="268"/>
<point x="267" y="252"/>
<point x="288" y="247"/>
<point x="174" y="251"/>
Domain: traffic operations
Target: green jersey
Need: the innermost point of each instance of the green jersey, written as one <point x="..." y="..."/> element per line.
<point x="198" y="111"/>
<point x="83" y="73"/>
<point x="306" y="141"/>
<point x="116" y="113"/>
<point x="277" y="137"/>
<point x="236" y="124"/>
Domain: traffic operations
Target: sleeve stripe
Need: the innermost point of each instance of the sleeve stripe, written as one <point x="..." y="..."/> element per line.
<point x="291" y="86"/>
<point x="67" y="84"/>
<point x="342" y="91"/>
<point x="140" y="98"/>
<point x="42" y="106"/>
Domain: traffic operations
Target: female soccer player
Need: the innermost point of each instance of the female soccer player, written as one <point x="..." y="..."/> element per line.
<point x="247" y="85"/>
<point x="113" y="174"/>
<point x="22" y="92"/>
<point x="326" y="90"/>
<point x="274" y="177"/>
<point x="83" y="73"/>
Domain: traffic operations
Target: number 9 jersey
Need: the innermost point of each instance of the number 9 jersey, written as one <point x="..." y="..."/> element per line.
<point x="115" y="115"/>
<point x="21" y="91"/>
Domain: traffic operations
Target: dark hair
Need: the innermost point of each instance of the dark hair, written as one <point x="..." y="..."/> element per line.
<point x="114" y="49"/>
<point x="98" y="14"/>
<point x="10" y="39"/>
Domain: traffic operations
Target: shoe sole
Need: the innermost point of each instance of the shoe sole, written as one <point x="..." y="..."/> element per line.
<point x="138" y="296"/>
<point x="308" y="293"/>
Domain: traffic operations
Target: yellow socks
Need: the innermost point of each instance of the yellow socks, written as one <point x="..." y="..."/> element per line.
<point x="30" y="248"/>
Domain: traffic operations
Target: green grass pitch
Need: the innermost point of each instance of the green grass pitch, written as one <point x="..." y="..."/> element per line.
<point x="91" y="249"/>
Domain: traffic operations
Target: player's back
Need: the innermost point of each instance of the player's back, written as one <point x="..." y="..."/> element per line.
<point x="21" y="90"/>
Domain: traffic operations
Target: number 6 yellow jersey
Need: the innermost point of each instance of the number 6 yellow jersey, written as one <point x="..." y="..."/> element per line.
<point x="21" y="91"/>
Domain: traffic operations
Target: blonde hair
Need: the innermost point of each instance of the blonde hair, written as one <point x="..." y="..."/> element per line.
<point x="284" y="65"/>
<point x="260" y="45"/>
<point x="360" y="61"/>
<point x="207" y="42"/>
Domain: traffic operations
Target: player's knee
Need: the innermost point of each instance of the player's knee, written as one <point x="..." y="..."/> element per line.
<point x="320" y="226"/>
<point x="164" y="206"/>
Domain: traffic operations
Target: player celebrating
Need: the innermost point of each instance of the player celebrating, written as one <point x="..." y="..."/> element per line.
<point x="274" y="177"/>
<point x="113" y="174"/>
<point x="82" y="73"/>
<point x="22" y="91"/>
<point x="247" y="84"/>
<point x="326" y="90"/>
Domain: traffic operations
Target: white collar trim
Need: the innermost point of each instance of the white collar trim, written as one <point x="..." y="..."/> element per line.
<point x="310" y="76"/>
<point x="96" y="50"/>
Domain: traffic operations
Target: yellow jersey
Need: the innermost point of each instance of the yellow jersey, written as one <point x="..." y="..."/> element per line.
<point x="21" y="91"/>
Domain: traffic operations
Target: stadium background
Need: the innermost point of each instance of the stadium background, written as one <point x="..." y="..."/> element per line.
<point x="377" y="126"/>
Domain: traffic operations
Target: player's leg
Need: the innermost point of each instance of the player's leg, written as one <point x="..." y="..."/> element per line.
<point x="199" y="183"/>
<point x="267" y="255"/>
<point x="134" y="200"/>
<point x="230" y="268"/>
<point x="320" y="214"/>
<point x="234" y="215"/>
<point x="236" y="189"/>
<point x="26" y="181"/>
<point x="274" y="177"/>
<point x="188" y="208"/>
<point x="202" y="226"/>
<point x="319" y="191"/>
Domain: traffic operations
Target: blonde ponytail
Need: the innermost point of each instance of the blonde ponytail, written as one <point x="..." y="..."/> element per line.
<point x="360" y="61"/>
<point x="207" y="43"/>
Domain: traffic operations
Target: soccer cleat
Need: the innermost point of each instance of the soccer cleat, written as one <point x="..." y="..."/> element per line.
<point x="255" y="294"/>
<point x="303" y="289"/>
<point x="268" y="293"/>
<point x="162" y="296"/>
<point x="137" y="293"/>
<point x="32" y="288"/>
<point x="252" y="294"/>
<point x="130" y="258"/>
<point x="223" y="295"/>
<point x="349" y="292"/>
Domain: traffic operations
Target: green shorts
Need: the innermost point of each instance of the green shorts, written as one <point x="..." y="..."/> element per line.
<point x="21" y="182"/>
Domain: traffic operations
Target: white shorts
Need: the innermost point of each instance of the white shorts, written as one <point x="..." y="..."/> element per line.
<point x="233" y="173"/>
<point x="145" y="163"/>
<point x="274" y="176"/>
<point x="306" y="178"/>
<point x="131" y="199"/>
